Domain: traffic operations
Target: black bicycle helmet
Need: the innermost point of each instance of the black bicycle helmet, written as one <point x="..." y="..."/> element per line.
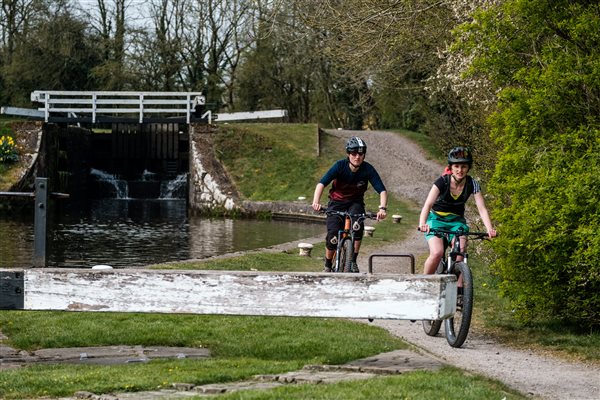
<point x="356" y="144"/>
<point x="460" y="155"/>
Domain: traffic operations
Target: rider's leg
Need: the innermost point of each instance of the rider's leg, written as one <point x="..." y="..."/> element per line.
<point x="357" y="246"/>
<point x="357" y="208"/>
<point x="436" y="252"/>
<point x="356" y="250"/>
<point x="333" y="226"/>
<point x="463" y="248"/>
<point x="328" y="260"/>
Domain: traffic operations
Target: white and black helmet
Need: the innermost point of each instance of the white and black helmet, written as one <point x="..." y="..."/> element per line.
<point x="356" y="144"/>
<point x="460" y="155"/>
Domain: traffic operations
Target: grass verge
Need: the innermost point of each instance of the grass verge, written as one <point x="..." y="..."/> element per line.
<point x="493" y="316"/>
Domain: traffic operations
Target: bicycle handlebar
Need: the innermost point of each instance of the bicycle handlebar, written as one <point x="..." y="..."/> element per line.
<point x="369" y="215"/>
<point x="441" y="231"/>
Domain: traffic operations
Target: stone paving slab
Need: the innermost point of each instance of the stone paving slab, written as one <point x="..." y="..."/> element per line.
<point x="11" y="358"/>
<point x="391" y="363"/>
<point x="396" y="362"/>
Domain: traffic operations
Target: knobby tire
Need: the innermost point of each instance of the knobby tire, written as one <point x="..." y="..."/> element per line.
<point x="457" y="327"/>
<point x="346" y="253"/>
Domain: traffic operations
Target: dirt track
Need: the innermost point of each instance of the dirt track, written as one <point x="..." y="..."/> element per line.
<point x="409" y="174"/>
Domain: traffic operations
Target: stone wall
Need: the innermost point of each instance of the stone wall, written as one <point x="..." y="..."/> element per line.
<point x="210" y="189"/>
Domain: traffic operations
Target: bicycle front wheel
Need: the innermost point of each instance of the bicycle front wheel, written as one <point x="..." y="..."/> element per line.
<point x="457" y="327"/>
<point x="346" y="253"/>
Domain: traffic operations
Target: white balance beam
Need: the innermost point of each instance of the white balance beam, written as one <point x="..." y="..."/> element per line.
<point x="377" y="296"/>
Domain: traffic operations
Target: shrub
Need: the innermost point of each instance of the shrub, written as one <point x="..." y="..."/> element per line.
<point x="544" y="59"/>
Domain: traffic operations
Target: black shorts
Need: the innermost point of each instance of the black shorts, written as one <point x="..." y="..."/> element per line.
<point x="335" y="223"/>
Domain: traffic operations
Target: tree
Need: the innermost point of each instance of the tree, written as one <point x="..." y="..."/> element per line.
<point x="16" y="16"/>
<point x="276" y="71"/>
<point x="57" y="54"/>
<point x="544" y="60"/>
<point x="108" y="24"/>
<point x="399" y="50"/>
<point x="286" y="68"/>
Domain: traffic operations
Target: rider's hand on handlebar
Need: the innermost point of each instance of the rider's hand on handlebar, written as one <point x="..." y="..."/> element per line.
<point x="492" y="233"/>
<point x="423" y="228"/>
<point x="381" y="214"/>
<point x="316" y="206"/>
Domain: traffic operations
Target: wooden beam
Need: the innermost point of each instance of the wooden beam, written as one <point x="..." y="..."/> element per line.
<point x="250" y="115"/>
<point x="379" y="296"/>
<point x="22" y="112"/>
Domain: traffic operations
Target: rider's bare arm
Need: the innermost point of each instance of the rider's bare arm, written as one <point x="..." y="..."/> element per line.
<point x="431" y="197"/>
<point x="317" y="196"/>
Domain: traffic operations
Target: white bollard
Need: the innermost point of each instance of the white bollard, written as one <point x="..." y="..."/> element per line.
<point x="397" y="218"/>
<point x="369" y="230"/>
<point x="305" y="249"/>
<point x="102" y="267"/>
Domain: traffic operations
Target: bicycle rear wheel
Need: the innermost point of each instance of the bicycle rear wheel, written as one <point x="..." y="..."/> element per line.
<point x="432" y="326"/>
<point x="457" y="327"/>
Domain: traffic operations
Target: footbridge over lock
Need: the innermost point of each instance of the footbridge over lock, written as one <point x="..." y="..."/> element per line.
<point x="128" y="144"/>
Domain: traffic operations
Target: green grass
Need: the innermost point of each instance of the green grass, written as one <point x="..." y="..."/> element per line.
<point x="240" y="348"/>
<point x="273" y="161"/>
<point x="64" y="380"/>
<point x="447" y="383"/>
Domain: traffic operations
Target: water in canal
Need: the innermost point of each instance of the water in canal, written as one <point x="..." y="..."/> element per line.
<point x="130" y="232"/>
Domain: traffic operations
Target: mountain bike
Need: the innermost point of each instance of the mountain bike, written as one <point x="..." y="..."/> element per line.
<point x="344" y="254"/>
<point x="457" y="326"/>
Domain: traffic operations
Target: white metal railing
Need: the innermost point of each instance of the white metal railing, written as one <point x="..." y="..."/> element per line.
<point x="111" y="103"/>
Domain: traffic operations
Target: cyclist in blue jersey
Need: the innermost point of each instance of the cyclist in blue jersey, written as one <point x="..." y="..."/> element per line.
<point x="445" y="205"/>
<point x="350" y="179"/>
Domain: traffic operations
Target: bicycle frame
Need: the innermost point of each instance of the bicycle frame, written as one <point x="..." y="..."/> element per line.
<point x="346" y="237"/>
<point x="455" y="251"/>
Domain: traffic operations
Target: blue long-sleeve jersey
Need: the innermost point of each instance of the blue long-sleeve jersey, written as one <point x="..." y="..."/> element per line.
<point x="348" y="185"/>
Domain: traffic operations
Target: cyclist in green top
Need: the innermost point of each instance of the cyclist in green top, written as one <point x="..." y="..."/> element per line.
<point x="445" y="205"/>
